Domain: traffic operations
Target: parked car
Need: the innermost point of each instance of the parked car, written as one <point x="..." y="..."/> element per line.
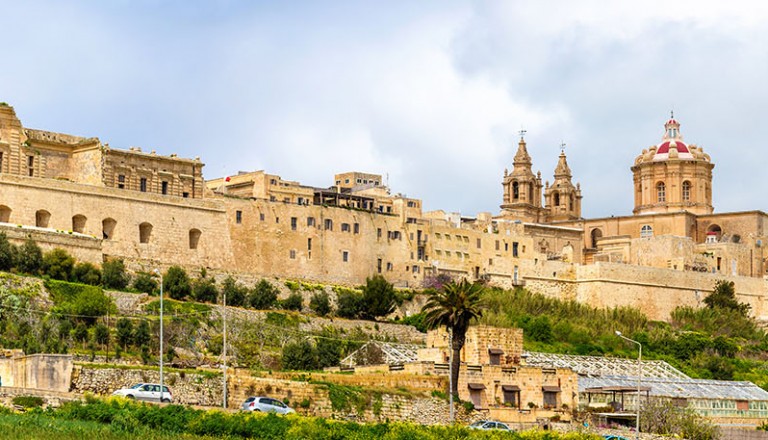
<point x="146" y="391"/>
<point x="614" y="437"/>
<point x="266" y="404"/>
<point x="487" y="425"/>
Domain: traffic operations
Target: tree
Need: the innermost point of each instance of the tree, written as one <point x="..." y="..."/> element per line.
<point x="91" y="303"/>
<point x="294" y="302"/>
<point x="320" y="303"/>
<point x="58" y="264"/>
<point x="454" y="307"/>
<point x="205" y="290"/>
<point x="113" y="274"/>
<point x="328" y="352"/>
<point x="176" y="283"/>
<point x="29" y="259"/>
<point x="7" y="253"/>
<point x="124" y="332"/>
<point x="349" y="304"/>
<point x="724" y="297"/>
<point x="379" y="297"/>
<point x="236" y="294"/>
<point x="299" y="356"/>
<point x="141" y="336"/>
<point x="81" y="333"/>
<point x="263" y="296"/>
<point x="145" y="282"/>
<point x="101" y="334"/>
<point x="86" y="273"/>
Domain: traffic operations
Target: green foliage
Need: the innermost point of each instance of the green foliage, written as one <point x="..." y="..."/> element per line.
<point x="113" y="274"/>
<point x="724" y="297"/>
<point x="349" y="304"/>
<point x="7" y="253"/>
<point x="237" y="295"/>
<point x="300" y="355"/>
<point x="328" y="352"/>
<point x="663" y="417"/>
<point x="176" y="283"/>
<point x="124" y="332"/>
<point x="320" y="303"/>
<point x="540" y="329"/>
<point x="379" y="297"/>
<point x="293" y="286"/>
<point x="86" y="273"/>
<point x="417" y="320"/>
<point x="263" y="296"/>
<point x="101" y="334"/>
<point x="142" y="335"/>
<point x="204" y="290"/>
<point x="146" y="283"/>
<point x="58" y="264"/>
<point x="29" y="258"/>
<point x="86" y="302"/>
<point x="294" y="302"/>
<point x="28" y="401"/>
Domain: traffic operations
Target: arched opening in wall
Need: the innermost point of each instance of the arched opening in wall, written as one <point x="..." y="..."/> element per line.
<point x="646" y="231"/>
<point x="145" y="232"/>
<point x="42" y="218"/>
<point x="78" y="223"/>
<point x="194" y="238"/>
<point x="108" y="228"/>
<point x="686" y="191"/>
<point x="556" y="198"/>
<point x="714" y="233"/>
<point x="515" y="190"/>
<point x="596" y="234"/>
<point x="5" y="214"/>
<point x="661" y="192"/>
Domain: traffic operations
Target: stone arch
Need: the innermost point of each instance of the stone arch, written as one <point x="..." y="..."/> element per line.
<point x="78" y="223"/>
<point x="556" y="198"/>
<point x="515" y="190"/>
<point x="596" y="234"/>
<point x="194" y="238"/>
<point x="714" y="233"/>
<point x="145" y="232"/>
<point x="5" y="214"/>
<point x="42" y="218"/>
<point x="108" y="228"/>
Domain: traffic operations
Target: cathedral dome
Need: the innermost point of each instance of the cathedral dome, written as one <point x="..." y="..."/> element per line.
<point x="672" y="145"/>
<point x="664" y="147"/>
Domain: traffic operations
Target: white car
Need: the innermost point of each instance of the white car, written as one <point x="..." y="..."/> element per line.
<point x="146" y="391"/>
<point x="266" y="404"/>
<point x="488" y="425"/>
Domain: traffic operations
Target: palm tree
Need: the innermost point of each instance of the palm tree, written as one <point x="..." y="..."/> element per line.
<point x="454" y="306"/>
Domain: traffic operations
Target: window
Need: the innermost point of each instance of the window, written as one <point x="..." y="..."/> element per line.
<point x="78" y="223"/>
<point x="185" y="194"/>
<point x="479" y="243"/>
<point x="345" y="227"/>
<point x="646" y="231"/>
<point x="556" y="198"/>
<point x="686" y="191"/>
<point x="506" y="247"/>
<point x="378" y="265"/>
<point x="389" y="209"/>
<point x="309" y="244"/>
<point x="145" y="232"/>
<point x="261" y="216"/>
<point x="411" y="204"/>
<point x="498" y="245"/>
<point x="410" y="220"/>
<point x="389" y="267"/>
<point x="328" y="224"/>
<point x="415" y="269"/>
<point x="294" y="223"/>
<point x="194" y="238"/>
<point x="356" y="228"/>
<point x="292" y="254"/>
<point x="277" y="219"/>
<point x="121" y="181"/>
<point x="345" y="256"/>
<point x="310" y="221"/>
<point x="238" y="217"/>
<point x="515" y="190"/>
<point x="514" y="248"/>
<point x="164" y="187"/>
<point x="42" y="218"/>
<point x="108" y="228"/>
<point x="31" y="164"/>
<point x="378" y="233"/>
<point x="1" y="162"/>
<point x="143" y="184"/>
<point x="661" y="192"/>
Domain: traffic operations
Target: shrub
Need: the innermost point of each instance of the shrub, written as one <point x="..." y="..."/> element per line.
<point x="379" y="297"/>
<point x="101" y="334"/>
<point x="236" y="295"/>
<point x="145" y="282"/>
<point x="29" y="258"/>
<point x="724" y="296"/>
<point x="28" y="401"/>
<point x="328" y="352"/>
<point x="204" y="290"/>
<point x="176" y="283"/>
<point x="349" y="304"/>
<point x="86" y="273"/>
<point x="320" y="303"/>
<point x="58" y="264"/>
<point x="113" y="274"/>
<point x="299" y="356"/>
<point x="124" y="332"/>
<point x="294" y="302"/>
<point x="142" y="335"/>
<point x="7" y="253"/>
<point x="263" y="296"/>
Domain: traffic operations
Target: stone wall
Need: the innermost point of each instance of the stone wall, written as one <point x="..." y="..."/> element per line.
<point x="37" y="371"/>
<point x="81" y="246"/>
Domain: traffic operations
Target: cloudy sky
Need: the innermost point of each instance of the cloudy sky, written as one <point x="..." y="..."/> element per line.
<point x="430" y="93"/>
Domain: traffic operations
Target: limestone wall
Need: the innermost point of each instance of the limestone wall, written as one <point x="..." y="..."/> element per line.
<point x="82" y="247"/>
<point x="37" y="371"/>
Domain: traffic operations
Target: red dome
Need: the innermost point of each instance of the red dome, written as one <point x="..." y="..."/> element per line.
<point x="664" y="147"/>
<point x="672" y="121"/>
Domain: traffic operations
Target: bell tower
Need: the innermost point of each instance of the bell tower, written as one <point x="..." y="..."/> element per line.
<point x="563" y="199"/>
<point x="522" y="189"/>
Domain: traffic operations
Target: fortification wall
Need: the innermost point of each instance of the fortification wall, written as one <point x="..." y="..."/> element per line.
<point x="81" y="246"/>
<point x="37" y="371"/>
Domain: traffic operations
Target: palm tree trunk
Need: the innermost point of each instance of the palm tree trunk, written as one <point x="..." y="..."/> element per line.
<point x="455" y="365"/>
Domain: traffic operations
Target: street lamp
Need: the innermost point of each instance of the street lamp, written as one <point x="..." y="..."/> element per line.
<point x="639" y="378"/>
<point x="162" y="388"/>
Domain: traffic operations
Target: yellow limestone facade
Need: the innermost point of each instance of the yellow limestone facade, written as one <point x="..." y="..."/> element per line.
<point x="156" y="210"/>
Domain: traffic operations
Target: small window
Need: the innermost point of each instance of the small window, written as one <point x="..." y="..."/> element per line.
<point x="498" y="245"/>
<point x="328" y="224"/>
<point x="1" y="161"/>
<point x="345" y="227"/>
<point x="164" y="187"/>
<point x="378" y="233"/>
<point x="238" y="217"/>
<point x="294" y="223"/>
<point x="121" y="181"/>
<point x="293" y="254"/>
<point x="143" y="184"/>
<point x="686" y="191"/>
<point x="356" y="228"/>
<point x="261" y="216"/>
<point x="514" y="248"/>
<point x="345" y="256"/>
<point x="661" y="192"/>
<point x="646" y="231"/>
<point x="185" y="195"/>
<point x="479" y="243"/>
<point x="389" y="267"/>
<point x="310" y="221"/>
<point x="194" y="238"/>
<point x="309" y="244"/>
<point x="31" y="164"/>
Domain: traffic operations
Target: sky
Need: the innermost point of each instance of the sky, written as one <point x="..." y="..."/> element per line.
<point x="429" y="94"/>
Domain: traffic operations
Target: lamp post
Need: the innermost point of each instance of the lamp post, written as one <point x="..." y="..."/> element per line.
<point x="639" y="378"/>
<point x="162" y="387"/>
<point x="224" y="349"/>
<point x="450" y="376"/>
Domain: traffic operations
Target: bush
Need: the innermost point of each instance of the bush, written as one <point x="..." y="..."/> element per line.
<point x="145" y="282"/>
<point x="113" y="274"/>
<point x="142" y="335"/>
<point x="101" y="334"/>
<point x="294" y="302"/>
<point x="236" y="295"/>
<point x="86" y="302"/>
<point x="58" y="264"/>
<point x="7" y="253"/>
<point x="86" y="273"/>
<point x="299" y="356"/>
<point x="328" y="352"/>
<point x="724" y="296"/>
<point x="379" y="297"/>
<point x="204" y="290"/>
<point x="176" y="283"/>
<point x="320" y="303"/>
<point x="28" y="401"/>
<point x="124" y="332"/>
<point x="29" y="258"/>
<point x="349" y="304"/>
<point x="263" y="296"/>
